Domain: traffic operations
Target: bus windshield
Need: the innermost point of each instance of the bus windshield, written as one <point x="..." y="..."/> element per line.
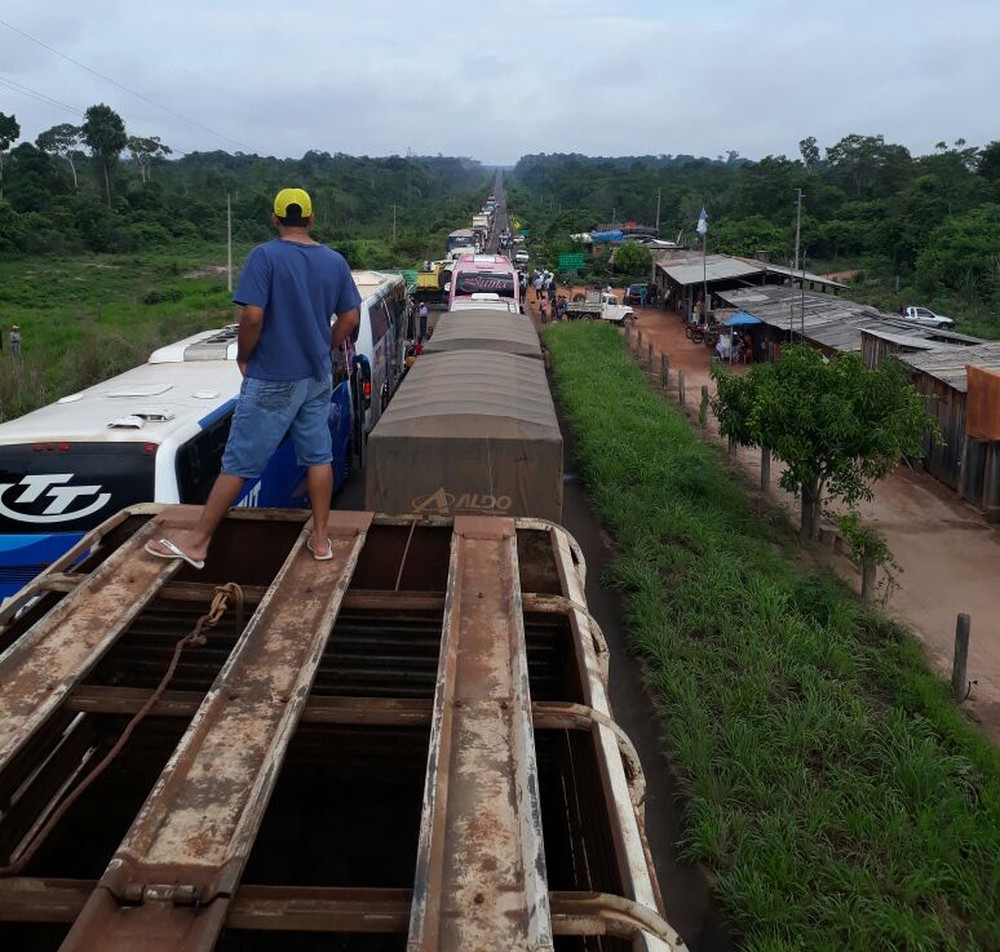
<point x="484" y="274"/>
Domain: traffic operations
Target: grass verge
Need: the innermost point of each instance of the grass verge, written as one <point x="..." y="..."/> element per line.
<point x="86" y="318"/>
<point x="839" y="796"/>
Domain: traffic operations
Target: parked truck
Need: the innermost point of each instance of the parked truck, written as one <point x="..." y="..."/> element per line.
<point x="602" y="305"/>
<point x="925" y="316"/>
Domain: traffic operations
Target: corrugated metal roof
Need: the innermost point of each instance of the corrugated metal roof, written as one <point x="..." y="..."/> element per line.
<point x="809" y="276"/>
<point x="948" y="364"/>
<point x="696" y="269"/>
<point x="902" y="340"/>
<point x="689" y="268"/>
<point x="830" y="321"/>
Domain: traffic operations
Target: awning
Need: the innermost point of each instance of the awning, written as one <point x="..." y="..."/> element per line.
<point x="740" y="319"/>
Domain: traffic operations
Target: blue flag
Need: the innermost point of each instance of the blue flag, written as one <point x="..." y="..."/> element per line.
<point x="702" y="226"/>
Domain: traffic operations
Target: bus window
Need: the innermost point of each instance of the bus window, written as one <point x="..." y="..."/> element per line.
<point x="380" y="320"/>
<point x="341" y="370"/>
<point x="199" y="461"/>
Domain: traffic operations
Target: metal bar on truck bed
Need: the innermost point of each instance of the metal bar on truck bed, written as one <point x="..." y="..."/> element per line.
<point x="39" y="669"/>
<point x="169" y="884"/>
<point x="630" y="843"/>
<point x="480" y="880"/>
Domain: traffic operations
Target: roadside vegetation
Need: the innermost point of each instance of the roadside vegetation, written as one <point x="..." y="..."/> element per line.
<point x="87" y="317"/>
<point x="830" y="783"/>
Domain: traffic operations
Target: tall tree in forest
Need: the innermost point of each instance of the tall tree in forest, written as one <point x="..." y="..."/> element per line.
<point x="62" y="142"/>
<point x="104" y="133"/>
<point x="9" y="131"/>
<point x="809" y="152"/>
<point x="143" y="151"/>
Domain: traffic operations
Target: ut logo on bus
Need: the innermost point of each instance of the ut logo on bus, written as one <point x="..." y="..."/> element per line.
<point x="252" y="498"/>
<point x="443" y="503"/>
<point x="46" y="498"/>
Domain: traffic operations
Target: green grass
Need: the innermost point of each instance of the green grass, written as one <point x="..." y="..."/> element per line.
<point x="828" y="780"/>
<point x="85" y="318"/>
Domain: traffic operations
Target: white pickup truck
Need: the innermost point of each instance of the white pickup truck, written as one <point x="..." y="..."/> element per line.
<point x="925" y="316"/>
<point x="599" y="304"/>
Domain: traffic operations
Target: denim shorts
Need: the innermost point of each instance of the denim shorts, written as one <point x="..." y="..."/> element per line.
<point x="266" y="411"/>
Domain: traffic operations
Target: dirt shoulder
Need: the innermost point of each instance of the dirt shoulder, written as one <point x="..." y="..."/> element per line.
<point x="948" y="554"/>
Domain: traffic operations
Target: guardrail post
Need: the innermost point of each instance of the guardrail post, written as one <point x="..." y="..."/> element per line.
<point x="703" y="408"/>
<point x="649" y="360"/>
<point x="638" y="343"/>
<point x="959" y="686"/>
<point x="680" y="386"/>
<point x="628" y="337"/>
<point x="664" y="371"/>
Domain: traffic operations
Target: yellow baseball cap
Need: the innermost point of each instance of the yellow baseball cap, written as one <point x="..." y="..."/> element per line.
<point x="292" y="196"/>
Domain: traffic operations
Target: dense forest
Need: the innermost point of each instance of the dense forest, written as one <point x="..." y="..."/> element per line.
<point x="917" y="228"/>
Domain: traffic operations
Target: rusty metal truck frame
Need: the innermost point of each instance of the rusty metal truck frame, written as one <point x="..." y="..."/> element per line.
<point x="463" y="645"/>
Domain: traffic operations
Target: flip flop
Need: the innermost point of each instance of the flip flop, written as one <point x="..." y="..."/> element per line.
<point x="321" y="558"/>
<point x="174" y="551"/>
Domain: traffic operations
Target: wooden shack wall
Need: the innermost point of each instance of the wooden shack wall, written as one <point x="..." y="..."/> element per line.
<point x="947" y="406"/>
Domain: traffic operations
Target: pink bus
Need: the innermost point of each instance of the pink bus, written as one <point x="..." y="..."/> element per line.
<point x="483" y="274"/>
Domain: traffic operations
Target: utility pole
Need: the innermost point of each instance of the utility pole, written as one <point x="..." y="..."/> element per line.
<point x="393" y="222"/>
<point x="658" y="212"/>
<point x="795" y="267"/>
<point x="229" y="243"/>
<point x="798" y="226"/>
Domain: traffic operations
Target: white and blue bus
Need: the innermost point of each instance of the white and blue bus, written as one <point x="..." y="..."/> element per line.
<point x="156" y="433"/>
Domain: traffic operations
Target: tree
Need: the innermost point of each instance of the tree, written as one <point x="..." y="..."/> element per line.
<point x="988" y="165"/>
<point x="961" y="256"/>
<point x="873" y="168"/>
<point x="632" y="258"/>
<point x="104" y="133"/>
<point x="62" y="141"/>
<point x="9" y="131"/>
<point x="143" y="151"/>
<point x="809" y="152"/>
<point x="836" y="425"/>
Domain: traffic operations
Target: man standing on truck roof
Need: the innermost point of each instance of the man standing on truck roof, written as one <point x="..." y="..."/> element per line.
<point x="289" y="289"/>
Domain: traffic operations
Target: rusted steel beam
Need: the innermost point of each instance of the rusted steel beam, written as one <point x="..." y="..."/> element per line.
<point x="341" y="910"/>
<point x="395" y="712"/>
<point x="55" y="654"/>
<point x="254" y="908"/>
<point x="182" y="858"/>
<point x="480" y="879"/>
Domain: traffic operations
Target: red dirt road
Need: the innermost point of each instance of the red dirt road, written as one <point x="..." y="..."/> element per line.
<point x="949" y="555"/>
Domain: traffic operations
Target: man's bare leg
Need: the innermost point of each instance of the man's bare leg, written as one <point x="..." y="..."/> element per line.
<point x="319" y="479"/>
<point x="194" y="542"/>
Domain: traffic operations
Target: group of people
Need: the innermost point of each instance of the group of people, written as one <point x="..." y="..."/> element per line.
<point x="737" y="347"/>
<point x="551" y="304"/>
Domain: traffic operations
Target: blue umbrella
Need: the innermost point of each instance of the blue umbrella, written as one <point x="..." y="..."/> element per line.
<point x="741" y="319"/>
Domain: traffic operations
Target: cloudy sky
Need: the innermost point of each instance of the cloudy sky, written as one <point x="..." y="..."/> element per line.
<point x="497" y="80"/>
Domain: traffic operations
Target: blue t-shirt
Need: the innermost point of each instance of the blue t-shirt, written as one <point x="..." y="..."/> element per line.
<point x="300" y="288"/>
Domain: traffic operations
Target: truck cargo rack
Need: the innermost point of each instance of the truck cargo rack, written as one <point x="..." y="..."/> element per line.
<point x="409" y="746"/>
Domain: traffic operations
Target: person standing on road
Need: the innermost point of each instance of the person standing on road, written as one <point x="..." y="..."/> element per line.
<point x="422" y="313"/>
<point x="288" y="291"/>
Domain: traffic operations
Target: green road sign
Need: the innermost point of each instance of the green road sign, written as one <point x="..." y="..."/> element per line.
<point x="571" y="262"/>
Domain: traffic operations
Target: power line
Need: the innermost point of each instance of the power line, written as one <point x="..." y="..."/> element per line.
<point x="125" y="88"/>
<point x="40" y="96"/>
